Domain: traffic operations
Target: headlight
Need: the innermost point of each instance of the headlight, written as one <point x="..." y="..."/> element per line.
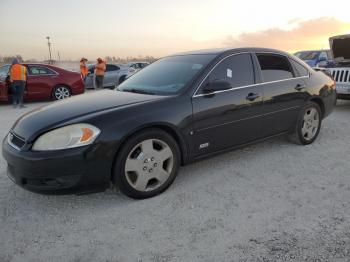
<point x="67" y="137"/>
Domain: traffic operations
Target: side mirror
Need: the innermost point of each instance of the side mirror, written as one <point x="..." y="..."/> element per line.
<point x="217" y="85"/>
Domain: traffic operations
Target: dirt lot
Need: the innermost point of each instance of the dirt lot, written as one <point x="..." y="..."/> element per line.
<point x="273" y="201"/>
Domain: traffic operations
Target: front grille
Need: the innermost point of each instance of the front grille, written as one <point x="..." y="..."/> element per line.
<point x="15" y="141"/>
<point x="341" y="75"/>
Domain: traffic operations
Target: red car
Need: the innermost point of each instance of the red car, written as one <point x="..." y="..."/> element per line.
<point x="43" y="82"/>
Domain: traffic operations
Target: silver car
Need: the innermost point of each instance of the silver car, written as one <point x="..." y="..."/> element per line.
<point x="115" y="74"/>
<point x="137" y="65"/>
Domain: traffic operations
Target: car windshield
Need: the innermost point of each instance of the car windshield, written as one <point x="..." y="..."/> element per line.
<point x="166" y="76"/>
<point x="307" y="55"/>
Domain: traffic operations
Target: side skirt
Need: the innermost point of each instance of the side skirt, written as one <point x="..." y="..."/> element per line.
<point x="201" y="157"/>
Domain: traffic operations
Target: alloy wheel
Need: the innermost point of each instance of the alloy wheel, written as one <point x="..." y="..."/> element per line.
<point x="149" y="165"/>
<point x="61" y="92"/>
<point x="311" y="123"/>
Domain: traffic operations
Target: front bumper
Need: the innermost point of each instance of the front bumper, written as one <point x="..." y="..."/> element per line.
<point x="76" y="170"/>
<point x="343" y="88"/>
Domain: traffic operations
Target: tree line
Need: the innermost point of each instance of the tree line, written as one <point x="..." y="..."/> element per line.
<point x="8" y="59"/>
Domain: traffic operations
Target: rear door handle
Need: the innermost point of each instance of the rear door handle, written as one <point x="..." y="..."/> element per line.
<point x="300" y="87"/>
<point x="252" y="96"/>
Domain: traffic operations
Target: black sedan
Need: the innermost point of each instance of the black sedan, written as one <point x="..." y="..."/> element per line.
<point x="179" y="109"/>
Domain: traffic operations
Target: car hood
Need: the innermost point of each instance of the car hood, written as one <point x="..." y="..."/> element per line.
<point x="340" y="47"/>
<point x="44" y="118"/>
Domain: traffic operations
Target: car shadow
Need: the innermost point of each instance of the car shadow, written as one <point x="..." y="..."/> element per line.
<point x="343" y="105"/>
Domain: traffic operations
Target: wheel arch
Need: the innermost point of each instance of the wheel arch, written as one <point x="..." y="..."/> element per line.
<point x="164" y="127"/>
<point x="320" y="103"/>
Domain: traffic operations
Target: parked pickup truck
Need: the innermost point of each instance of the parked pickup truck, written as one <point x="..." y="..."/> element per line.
<point x="314" y="57"/>
<point x="339" y="67"/>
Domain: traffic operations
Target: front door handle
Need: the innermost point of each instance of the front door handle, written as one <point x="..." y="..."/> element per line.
<point x="300" y="87"/>
<point x="252" y="96"/>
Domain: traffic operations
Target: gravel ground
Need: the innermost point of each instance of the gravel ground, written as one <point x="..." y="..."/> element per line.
<point x="273" y="201"/>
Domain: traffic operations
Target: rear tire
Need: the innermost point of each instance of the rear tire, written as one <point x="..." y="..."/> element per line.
<point x="308" y="125"/>
<point x="147" y="164"/>
<point x="61" y="92"/>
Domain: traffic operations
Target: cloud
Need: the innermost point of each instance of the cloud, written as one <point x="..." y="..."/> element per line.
<point x="305" y="34"/>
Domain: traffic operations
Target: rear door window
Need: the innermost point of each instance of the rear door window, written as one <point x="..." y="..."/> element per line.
<point x="236" y="69"/>
<point x="38" y="70"/>
<point x="300" y="69"/>
<point x="274" y="67"/>
<point x="110" y="68"/>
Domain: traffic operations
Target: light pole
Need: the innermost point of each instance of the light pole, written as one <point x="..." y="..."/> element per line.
<point x="49" y="44"/>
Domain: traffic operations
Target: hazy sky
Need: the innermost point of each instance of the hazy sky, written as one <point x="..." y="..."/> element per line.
<point x="94" y="28"/>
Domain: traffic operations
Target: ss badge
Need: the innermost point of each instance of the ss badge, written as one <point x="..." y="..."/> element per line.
<point x="201" y="146"/>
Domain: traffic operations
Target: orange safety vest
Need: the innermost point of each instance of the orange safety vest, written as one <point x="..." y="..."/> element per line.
<point x="83" y="70"/>
<point x="18" y="72"/>
<point x="100" y="69"/>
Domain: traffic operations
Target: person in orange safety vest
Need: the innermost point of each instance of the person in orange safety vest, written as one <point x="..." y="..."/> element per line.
<point x="18" y="79"/>
<point x="100" y="69"/>
<point x="83" y="68"/>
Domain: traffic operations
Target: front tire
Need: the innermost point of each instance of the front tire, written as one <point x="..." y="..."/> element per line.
<point x="308" y="125"/>
<point x="147" y="164"/>
<point x="61" y="92"/>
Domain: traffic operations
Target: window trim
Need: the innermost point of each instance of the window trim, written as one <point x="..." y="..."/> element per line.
<point x="223" y="61"/>
<point x="275" y="54"/>
<point x="295" y="69"/>
<point x="30" y="74"/>
<point x="242" y="87"/>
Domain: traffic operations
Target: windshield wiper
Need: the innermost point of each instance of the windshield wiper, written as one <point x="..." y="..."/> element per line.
<point x="138" y="91"/>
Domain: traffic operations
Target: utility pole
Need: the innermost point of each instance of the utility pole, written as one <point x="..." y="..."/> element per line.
<point x="58" y="54"/>
<point x="49" y="44"/>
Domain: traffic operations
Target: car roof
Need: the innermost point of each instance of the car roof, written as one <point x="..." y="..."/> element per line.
<point x="88" y="65"/>
<point x="135" y="62"/>
<point x="53" y="67"/>
<point x="38" y="64"/>
<point x="221" y="51"/>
